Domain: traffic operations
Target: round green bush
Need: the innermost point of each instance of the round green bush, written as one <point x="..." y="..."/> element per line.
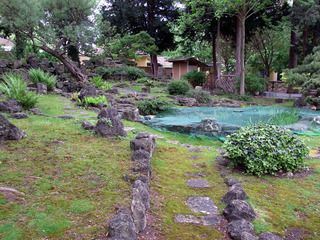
<point x="266" y="149"/>
<point x="195" y="78"/>
<point x="178" y="87"/>
<point x="154" y="106"/>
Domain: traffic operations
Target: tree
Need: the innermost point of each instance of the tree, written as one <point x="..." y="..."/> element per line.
<point x="152" y="16"/>
<point x="130" y="44"/>
<point x="51" y="25"/>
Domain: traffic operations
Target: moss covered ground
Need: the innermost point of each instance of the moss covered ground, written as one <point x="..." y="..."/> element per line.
<point x="73" y="183"/>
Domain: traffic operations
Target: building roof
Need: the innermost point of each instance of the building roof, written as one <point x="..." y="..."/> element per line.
<point x="164" y="62"/>
<point x="6" y="42"/>
<point x="190" y="59"/>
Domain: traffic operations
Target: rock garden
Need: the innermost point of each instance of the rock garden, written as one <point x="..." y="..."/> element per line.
<point x="80" y="161"/>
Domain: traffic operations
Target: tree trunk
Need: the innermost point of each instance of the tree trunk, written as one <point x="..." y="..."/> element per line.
<point x="213" y="83"/>
<point x="242" y="55"/>
<point x="154" y="65"/>
<point x="293" y="55"/>
<point x="305" y="42"/>
<point x="219" y="52"/>
<point x="238" y="46"/>
<point x="73" y="54"/>
<point x="74" y="70"/>
<point x="20" y="45"/>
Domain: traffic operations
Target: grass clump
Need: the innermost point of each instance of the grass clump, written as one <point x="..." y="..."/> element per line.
<point x="94" y="101"/>
<point x="266" y="149"/>
<point x="81" y="206"/>
<point x="284" y="117"/>
<point x="15" y="88"/>
<point x="39" y="76"/>
<point x="178" y="87"/>
<point x="154" y="106"/>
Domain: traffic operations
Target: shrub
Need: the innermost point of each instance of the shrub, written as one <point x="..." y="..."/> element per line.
<point x="14" y="87"/>
<point x="99" y="83"/>
<point x="94" y="101"/>
<point x="253" y="84"/>
<point x="200" y="95"/>
<point x="154" y="106"/>
<point x="195" y="78"/>
<point x="266" y="149"/>
<point x="39" y="76"/>
<point x="178" y="87"/>
<point x="132" y="73"/>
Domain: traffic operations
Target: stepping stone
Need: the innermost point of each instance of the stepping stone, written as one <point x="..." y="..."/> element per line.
<point x="210" y="220"/>
<point x="187" y="145"/>
<point x="221" y="151"/>
<point x="180" y="218"/>
<point x="200" y="165"/>
<point x="195" y="157"/>
<point x="197" y="174"/>
<point x="198" y="183"/>
<point x="173" y="142"/>
<point x="71" y="110"/>
<point x="205" y="147"/>
<point x="202" y="205"/>
<point x="195" y="150"/>
<point x="158" y="136"/>
<point x="87" y="117"/>
<point x="127" y="129"/>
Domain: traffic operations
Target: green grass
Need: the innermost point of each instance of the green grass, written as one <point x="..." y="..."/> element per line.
<point x="73" y="183"/>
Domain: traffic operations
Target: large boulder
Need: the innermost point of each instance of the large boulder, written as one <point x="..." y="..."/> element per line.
<point x="235" y="192"/>
<point x="122" y="226"/>
<point x="236" y="229"/>
<point x="17" y="64"/>
<point x="184" y="101"/>
<point x="41" y="88"/>
<point x="32" y="60"/>
<point x="10" y="106"/>
<point x="144" y="141"/>
<point x="88" y="91"/>
<point x="143" y="190"/>
<point x="131" y="114"/>
<point x="316" y="120"/>
<point x="110" y="125"/>
<point x="4" y="63"/>
<point x="9" y="131"/>
<point x="208" y="127"/>
<point x="237" y="210"/>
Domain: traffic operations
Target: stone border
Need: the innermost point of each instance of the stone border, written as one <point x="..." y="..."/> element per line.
<point x="128" y="223"/>
<point x="238" y="212"/>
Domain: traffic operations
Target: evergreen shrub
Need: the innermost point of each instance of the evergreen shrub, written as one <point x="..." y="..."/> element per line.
<point x="154" y="106"/>
<point x="178" y="87"/>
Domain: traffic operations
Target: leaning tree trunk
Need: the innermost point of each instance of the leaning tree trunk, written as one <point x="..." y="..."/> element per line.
<point x="74" y="70"/>
<point x="154" y="65"/>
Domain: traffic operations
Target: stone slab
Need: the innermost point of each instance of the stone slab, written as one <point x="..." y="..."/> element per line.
<point x="202" y="205"/>
<point x="180" y="218"/>
<point x="198" y="183"/>
<point x="210" y="220"/>
<point x="197" y="174"/>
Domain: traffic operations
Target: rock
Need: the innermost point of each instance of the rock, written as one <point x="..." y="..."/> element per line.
<point x="239" y="227"/>
<point x="9" y="131"/>
<point x="113" y="91"/>
<point x="208" y="127"/>
<point x="66" y="117"/>
<point x="33" y="60"/>
<point x="202" y="205"/>
<point x="138" y="210"/>
<point x="131" y="115"/>
<point x="35" y="111"/>
<point x="140" y="154"/>
<point x="230" y="181"/>
<point x="269" y="236"/>
<point x="197" y="174"/>
<point x="17" y="64"/>
<point x="10" y="106"/>
<point x="107" y="113"/>
<point x="88" y="91"/>
<point x="316" y="120"/>
<point x="235" y="192"/>
<point x="122" y="226"/>
<point x="111" y="125"/>
<point x="41" y="88"/>
<point x="145" y="141"/>
<point x="248" y="236"/>
<point x="184" y="101"/>
<point x="186" y="219"/>
<point x="45" y="63"/>
<point x="102" y="105"/>
<point x="225" y="103"/>
<point x="279" y="100"/>
<point x="143" y="166"/>
<point x="145" y="90"/>
<point x="210" y="220"/>
<point x="300" y="102"/>
<point x="143" y="190"/>
<point x="87" y="126"/>
<point x="19" y="115"/>
<point x="237" y="210"/>
<point x="147" y="117"/>
<point x="4" y="63"/>
<point x="198" y="183"/>
<point x="24" y="73"/>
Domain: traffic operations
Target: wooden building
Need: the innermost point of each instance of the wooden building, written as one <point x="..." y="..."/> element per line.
<point x="182" y="66"/>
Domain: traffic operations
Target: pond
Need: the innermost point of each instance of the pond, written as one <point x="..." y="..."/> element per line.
<point x="186" y="120"/>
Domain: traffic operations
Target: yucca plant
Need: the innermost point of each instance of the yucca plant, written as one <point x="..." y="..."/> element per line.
<point x="39" y="76"/>
<point x="15" y="88"/>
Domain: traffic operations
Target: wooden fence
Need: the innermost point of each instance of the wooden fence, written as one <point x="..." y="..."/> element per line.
<point x="227" y="83"/>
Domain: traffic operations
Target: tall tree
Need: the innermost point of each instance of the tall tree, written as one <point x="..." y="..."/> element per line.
<point x="51" y="25"/>
<point x="152" y="16"/>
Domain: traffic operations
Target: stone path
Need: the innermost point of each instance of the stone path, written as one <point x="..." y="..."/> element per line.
<point x="72" y="111"/>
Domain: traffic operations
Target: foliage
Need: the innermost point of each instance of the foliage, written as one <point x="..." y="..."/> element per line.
<point x="254" y="83"/>
<point x="75" y="96"/>
<point x="178" y="87"/>
<point x="195" y="78"/>
<point x="94" y="101"/>
<point x="307" y="75"/>
<point x="266" y="149"/>
<point x="39" y="76"/>
<point x="245" y="98"/>
<point x="131" y="73"/>
<point x="284" y="117"/>
<point x="15" y="88"/>
<point x="99" y="83"/>
<point x="129" y="45"/>
<point x="200" y="95"/>
<point x="154" y="106"/>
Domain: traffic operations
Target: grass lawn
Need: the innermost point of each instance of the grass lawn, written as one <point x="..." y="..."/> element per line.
<point x="73" y="183"/>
